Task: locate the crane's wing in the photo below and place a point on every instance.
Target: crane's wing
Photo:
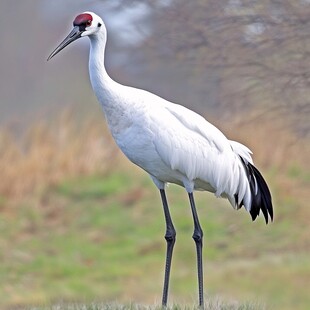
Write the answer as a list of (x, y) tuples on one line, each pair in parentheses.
[(186, 142)]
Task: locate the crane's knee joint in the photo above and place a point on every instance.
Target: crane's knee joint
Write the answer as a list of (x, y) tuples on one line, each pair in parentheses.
[(170, 235), (170, 239), (197, 236)]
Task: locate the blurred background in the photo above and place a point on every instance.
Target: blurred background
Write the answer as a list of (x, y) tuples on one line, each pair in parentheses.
[(79, 223)]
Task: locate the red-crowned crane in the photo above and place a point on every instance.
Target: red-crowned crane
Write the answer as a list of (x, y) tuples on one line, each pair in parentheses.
[(171, 143)]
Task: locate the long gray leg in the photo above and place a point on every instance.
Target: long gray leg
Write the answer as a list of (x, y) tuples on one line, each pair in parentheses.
[(197, 236), (170, 238)]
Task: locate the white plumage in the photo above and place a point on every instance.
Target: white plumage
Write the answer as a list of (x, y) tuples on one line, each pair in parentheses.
[(170, 142)]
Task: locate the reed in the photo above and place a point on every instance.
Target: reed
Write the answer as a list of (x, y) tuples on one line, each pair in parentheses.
[(48, 152)]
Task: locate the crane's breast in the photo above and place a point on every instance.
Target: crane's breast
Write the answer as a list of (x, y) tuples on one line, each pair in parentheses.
[(137, 143)]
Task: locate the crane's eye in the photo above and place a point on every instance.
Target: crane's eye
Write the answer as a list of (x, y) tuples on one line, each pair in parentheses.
[(88, 23)]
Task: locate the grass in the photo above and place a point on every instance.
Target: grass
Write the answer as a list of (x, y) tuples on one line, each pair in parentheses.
[(46, 154), (211, 304), (93, 231), (76, 243)]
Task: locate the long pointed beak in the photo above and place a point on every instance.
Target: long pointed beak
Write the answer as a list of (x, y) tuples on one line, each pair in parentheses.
[(72, 36)]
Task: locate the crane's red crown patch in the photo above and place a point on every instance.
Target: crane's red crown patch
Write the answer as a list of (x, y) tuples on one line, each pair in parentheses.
[(81, 19)]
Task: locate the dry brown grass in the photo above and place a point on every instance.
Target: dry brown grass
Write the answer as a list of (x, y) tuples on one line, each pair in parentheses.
[(47, 153), (272, 141)]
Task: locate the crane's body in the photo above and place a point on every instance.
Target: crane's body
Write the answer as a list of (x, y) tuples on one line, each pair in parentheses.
[(172, 143)]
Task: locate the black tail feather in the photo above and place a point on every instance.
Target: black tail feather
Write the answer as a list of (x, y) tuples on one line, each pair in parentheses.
[(261, 197)]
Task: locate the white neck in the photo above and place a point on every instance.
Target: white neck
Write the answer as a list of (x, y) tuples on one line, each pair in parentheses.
[(112, 96), (103, 86)]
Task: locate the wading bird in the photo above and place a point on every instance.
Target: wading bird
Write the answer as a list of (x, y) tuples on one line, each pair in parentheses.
[(171, 143)]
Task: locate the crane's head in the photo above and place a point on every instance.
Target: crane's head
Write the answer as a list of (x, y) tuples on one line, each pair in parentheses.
[(85, 24)]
